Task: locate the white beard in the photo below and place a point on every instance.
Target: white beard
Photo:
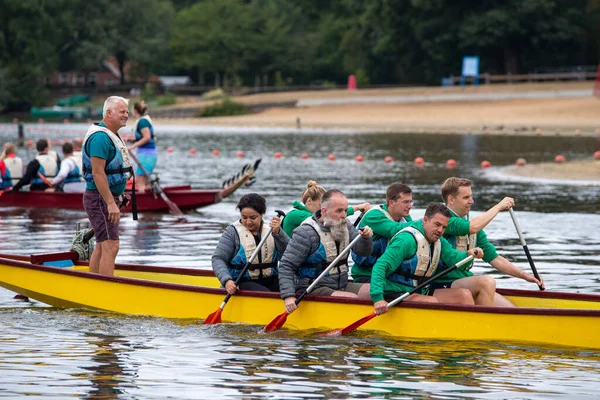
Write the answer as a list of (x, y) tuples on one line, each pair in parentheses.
[(338, 229)]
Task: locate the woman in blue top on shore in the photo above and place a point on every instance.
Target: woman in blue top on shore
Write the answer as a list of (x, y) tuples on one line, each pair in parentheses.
[(145, 144)]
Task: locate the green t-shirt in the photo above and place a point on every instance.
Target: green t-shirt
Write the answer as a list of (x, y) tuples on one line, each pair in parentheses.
[(298, 214), (382, 226), (404, 247), (101, 146), (458, 226)]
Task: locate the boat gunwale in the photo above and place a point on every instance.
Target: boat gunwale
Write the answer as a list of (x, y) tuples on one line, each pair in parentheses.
[(325, 299)]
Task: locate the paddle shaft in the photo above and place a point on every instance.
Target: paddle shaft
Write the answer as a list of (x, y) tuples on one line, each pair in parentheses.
[(527, 253), (172, 206), (333, 264)]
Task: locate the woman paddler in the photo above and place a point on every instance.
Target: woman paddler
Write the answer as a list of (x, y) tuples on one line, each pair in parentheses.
[(310, 203), (144, 142), (239, 241)]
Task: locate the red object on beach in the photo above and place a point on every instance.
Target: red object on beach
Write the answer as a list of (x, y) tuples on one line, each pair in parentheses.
[(216, 152), (388, 159), (352, 82), (559, 158), (169, 149), (597, 155), (304, 156), (331, 157), (240, 154), (278, 154), (419, 160), (192, 152), (359, 158), (451, 163), (521, 162), (486, 164)]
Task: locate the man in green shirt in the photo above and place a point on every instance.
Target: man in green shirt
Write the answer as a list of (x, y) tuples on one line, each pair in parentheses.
[(385, 220), (413, 255), (463, 233)]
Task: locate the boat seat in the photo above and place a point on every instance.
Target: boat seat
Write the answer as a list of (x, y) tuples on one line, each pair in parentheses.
[(64, 259)]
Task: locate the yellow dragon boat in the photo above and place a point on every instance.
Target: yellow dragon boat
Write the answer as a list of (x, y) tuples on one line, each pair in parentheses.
[(545, 318)]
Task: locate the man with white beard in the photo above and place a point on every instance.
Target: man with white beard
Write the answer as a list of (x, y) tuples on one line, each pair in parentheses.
[(314, 245)]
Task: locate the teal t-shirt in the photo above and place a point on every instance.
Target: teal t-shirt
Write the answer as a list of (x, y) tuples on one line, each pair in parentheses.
[(101, 146)]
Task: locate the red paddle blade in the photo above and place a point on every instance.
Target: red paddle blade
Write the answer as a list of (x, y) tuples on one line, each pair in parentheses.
[(214, 318), (277, 323), (350, 328)]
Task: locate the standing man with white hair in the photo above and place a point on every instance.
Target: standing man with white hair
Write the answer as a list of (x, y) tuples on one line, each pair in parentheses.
[(106, 169)]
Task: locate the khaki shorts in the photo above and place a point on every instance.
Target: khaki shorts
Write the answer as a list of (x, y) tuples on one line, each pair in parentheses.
[(327, 291)]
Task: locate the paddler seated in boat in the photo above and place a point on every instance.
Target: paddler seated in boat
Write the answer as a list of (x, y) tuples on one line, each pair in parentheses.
[(413, 255), (315, 244), (11, 167), (311, 202), (69, 178), (239, 241), (463, 234), (39, 170), (385, 220), (77, 144)]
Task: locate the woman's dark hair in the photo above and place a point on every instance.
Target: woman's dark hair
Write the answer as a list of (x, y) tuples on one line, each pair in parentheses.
[(253, 200), (140, 107)]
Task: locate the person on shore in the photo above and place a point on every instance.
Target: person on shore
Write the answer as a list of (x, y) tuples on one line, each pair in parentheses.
[(385, 221), (144, 143), (106, 169), (311, 202), (40, 170), (69, 178), (314, 245), (11, 167), (413, 255), (463, 234), (239, 242)]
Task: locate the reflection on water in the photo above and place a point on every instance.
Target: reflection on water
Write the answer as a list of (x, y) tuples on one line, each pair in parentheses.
[(75, 353)]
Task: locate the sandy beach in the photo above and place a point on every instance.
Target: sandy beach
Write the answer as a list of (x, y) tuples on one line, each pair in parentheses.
[(576, 116), (560, 109)]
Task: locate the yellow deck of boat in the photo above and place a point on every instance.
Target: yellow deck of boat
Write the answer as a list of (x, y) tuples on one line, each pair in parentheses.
[(557, 319)]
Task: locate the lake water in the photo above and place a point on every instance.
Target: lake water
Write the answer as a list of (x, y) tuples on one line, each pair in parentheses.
[(55, 353)]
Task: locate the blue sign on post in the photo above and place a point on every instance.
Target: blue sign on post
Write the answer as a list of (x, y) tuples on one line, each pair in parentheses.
[(470, 67)]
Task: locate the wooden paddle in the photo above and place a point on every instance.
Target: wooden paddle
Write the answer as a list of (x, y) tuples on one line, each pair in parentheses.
[(278, 322), (215, 318), (527, 253), (172, 206), (362, 321)]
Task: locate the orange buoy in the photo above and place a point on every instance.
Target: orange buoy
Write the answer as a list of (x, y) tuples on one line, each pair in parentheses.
[(29, 144), (304, 156), (559, 158), (521, 162), (278, 154), (451, 163), (486, 164), (388, 159), (331, 157), (216, 152), (192, 152), (240, 154), (419, 160), (359, 158), (597, 155), (169, 149)]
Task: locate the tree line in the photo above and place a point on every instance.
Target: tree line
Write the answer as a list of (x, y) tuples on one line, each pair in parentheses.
[(289, 42)]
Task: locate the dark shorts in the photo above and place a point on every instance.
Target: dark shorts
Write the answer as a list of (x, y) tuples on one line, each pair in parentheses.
[(438, 285), (326, 291), (97, 212)]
